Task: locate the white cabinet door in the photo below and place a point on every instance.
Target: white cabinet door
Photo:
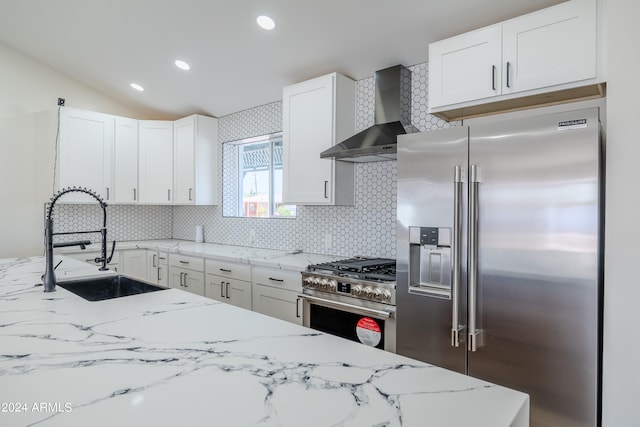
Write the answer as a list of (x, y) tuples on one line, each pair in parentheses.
[(550, 47), (279, 303), (126, 160), (187, 280), (85, 154), (232, 291), (238, 292), (195, 160), (156, 161), (157, 267), (134, 264), (184, 160), (215, 288), (465, 67), (317, 114)]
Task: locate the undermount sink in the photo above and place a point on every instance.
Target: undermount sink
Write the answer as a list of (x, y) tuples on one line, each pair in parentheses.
[(103, 288)]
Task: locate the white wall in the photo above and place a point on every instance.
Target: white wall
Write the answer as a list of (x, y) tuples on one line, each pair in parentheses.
[(28, 121), (622, 284)]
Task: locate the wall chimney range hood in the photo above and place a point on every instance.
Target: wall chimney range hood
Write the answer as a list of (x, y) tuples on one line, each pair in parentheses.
[(392, 118)]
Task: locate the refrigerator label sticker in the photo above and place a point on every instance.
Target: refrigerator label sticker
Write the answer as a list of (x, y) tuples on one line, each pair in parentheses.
[(368, 331), (572, 124)]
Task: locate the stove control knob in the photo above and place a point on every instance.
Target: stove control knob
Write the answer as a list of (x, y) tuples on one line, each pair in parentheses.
[(308, 281), (356, 290), (333, 285), (386, 296), (324, 284), (377, 294), (368, 292)]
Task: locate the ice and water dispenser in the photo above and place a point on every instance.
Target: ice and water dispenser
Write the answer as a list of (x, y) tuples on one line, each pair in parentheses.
[(430, 261)]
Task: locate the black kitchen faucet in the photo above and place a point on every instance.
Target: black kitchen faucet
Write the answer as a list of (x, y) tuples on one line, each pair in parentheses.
[(49, 278)]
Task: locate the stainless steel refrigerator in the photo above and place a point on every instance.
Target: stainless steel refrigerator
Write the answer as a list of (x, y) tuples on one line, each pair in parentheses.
[(499, 257)]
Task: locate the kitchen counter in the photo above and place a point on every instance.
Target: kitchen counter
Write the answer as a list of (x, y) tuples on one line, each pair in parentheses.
[(242, 254), (171, 358)]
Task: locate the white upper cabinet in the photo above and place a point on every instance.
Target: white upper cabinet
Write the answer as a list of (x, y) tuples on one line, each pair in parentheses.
[(550, 47), (465, 67), (195, 160), (317, 114), (85, 154), (125, 168), (517, 63), (156, 161)]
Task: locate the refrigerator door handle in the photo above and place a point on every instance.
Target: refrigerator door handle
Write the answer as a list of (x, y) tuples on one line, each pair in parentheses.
[(456, 330), (474, 333)]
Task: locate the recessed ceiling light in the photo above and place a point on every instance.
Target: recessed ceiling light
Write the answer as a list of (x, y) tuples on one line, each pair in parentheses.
[(182, 65), (137, 87), (266, 22)]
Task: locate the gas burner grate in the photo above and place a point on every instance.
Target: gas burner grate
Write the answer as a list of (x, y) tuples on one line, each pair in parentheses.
[(377, 269)]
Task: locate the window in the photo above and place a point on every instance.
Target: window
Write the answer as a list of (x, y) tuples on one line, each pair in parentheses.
[(252, 178)]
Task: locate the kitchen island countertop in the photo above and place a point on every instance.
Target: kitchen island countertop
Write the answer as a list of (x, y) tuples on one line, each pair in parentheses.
[(172, 358)]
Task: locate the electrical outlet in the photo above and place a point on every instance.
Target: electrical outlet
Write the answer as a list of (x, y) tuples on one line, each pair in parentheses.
[(61, 102)]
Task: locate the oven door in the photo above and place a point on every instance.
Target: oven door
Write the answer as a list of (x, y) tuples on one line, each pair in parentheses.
[(373, 324)]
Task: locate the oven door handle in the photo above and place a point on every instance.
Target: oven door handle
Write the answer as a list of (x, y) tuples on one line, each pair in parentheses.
[(364, 311)]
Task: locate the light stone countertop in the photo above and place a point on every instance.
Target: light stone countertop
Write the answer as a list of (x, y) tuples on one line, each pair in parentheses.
[(171, 358), (242, 254)]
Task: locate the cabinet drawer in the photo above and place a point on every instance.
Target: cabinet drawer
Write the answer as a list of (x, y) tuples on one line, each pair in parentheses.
[(231, 270), (283, 279), (188, 262)]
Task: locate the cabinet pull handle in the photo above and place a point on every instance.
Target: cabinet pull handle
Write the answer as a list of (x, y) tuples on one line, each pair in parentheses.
[(169, 194), (222, 289), (225, 270), (190, 191), (107, 193), (276, 280), (297, 307), (134, 195), (184, 262), (153, 261), (493, 77), (185, 280), (508, 68), (159, 279), (325, 189), (227, 291)]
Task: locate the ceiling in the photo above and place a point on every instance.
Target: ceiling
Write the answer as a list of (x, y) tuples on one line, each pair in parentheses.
[(235, 65)]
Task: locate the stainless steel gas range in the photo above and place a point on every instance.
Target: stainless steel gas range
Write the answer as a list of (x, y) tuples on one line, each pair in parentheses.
[(353, 298)]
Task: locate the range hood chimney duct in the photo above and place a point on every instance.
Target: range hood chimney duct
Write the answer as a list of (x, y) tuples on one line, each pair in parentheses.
[(392, 118)]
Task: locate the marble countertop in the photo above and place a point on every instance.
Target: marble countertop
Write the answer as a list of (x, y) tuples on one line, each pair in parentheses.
[(242, 254), (171, 358)]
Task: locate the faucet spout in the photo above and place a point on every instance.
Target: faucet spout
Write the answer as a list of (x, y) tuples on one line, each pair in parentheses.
[(49, 278)]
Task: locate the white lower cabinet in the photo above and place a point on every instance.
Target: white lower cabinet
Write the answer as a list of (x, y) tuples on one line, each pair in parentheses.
[(158, 267), (229, 282), (134, 264), (275, 293), (186, 273)]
